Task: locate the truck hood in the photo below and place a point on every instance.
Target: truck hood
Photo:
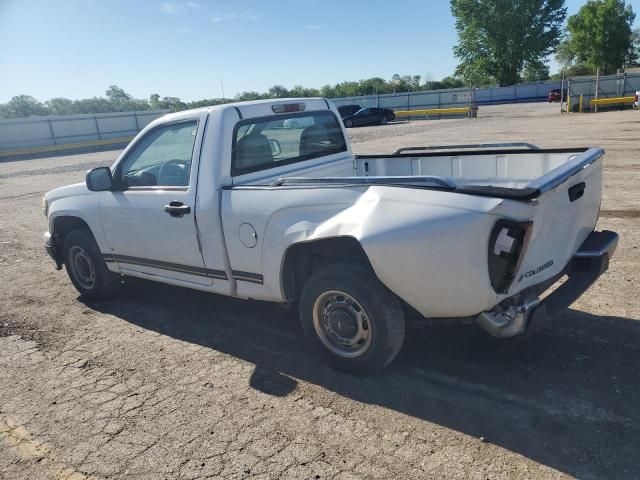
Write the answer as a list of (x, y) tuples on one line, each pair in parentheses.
[(67, 191)]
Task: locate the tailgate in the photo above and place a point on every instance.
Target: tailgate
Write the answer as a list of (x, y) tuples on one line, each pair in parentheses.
[(566, 213)]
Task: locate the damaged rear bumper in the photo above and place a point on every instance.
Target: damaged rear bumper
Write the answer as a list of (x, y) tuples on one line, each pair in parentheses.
[(529, 312)]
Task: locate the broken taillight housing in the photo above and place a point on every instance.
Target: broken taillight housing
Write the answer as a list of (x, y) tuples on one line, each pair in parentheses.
[(507, 243)]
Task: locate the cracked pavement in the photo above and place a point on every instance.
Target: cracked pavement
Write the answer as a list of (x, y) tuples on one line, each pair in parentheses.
[(166, 383)]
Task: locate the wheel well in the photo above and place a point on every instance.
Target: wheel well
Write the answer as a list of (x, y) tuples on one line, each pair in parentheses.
[(62, 226), (302, 259)]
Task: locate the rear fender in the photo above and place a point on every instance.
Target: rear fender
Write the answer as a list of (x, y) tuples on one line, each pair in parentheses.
[(434, 257)]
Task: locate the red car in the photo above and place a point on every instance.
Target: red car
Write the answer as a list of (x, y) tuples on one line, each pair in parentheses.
[(555, 95)]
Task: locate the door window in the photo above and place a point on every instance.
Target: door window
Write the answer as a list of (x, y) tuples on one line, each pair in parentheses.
[(161, 158)]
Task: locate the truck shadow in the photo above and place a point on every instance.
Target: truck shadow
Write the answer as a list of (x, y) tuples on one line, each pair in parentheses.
[(568, 398)]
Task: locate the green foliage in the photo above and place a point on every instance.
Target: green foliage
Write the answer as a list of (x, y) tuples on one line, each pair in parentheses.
[(116, 94), (246, 96), (117, 100), (577, 70), (23, 106), (60, 106), (599, 35), (447, 82), (498, 38), (633, 55), (535, 72)]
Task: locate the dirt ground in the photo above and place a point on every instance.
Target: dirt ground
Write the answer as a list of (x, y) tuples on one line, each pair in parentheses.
[(166, 383)]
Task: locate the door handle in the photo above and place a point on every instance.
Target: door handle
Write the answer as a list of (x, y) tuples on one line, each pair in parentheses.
[(177, 209), (576, 191)]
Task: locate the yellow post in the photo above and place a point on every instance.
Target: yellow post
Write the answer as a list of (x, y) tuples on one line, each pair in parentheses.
[(580, 103), (569, 104)]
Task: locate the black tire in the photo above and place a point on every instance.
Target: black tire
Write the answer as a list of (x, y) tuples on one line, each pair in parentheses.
[(348, 123), (384, 120), (382, 310), (86, 268)]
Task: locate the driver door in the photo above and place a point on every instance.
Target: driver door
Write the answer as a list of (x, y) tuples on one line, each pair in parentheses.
[(363, 117), (150, 224)]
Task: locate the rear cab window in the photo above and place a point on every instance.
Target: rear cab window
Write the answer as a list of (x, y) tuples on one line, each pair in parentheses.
[(268, 142)]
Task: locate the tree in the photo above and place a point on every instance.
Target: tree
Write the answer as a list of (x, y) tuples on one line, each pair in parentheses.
[(154, 101), (300, 91), (245, 96), (633, 55), (94, 105), (23, 106), (172, 103), (347, 89), (117, 100), (116, 94), (328, 91), (278, 91), (599, 35), (60, 106), (374, 86), (497, 38), (448, 82), (535, 72)]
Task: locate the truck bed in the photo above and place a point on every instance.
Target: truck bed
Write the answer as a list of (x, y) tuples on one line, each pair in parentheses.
[(514, 173), (556, 191)]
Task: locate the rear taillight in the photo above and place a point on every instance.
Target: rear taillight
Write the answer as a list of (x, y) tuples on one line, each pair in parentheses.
[(506, 246)]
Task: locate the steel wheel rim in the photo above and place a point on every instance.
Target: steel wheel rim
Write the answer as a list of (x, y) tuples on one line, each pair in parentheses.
[(342, 324), (82, 267)]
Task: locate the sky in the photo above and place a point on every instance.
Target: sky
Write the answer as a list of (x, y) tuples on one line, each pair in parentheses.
[(192, 48)]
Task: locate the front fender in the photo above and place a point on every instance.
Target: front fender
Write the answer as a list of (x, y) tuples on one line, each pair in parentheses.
[(78, 202)]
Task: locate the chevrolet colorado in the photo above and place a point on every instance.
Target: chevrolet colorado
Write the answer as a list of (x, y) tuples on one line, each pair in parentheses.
[(227, 200)]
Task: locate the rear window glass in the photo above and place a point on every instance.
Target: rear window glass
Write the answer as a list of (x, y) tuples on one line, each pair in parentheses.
[(264, 143)]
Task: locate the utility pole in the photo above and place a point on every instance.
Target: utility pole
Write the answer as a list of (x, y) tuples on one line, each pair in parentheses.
[(222, 86)]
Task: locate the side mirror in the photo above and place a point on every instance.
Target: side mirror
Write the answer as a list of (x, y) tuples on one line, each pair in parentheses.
[(275, 147), (99, 179)]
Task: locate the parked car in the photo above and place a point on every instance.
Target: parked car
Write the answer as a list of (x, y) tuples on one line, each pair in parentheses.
[(369, 116), (300, 122), (471, 232), (346, 110), (556, 95)]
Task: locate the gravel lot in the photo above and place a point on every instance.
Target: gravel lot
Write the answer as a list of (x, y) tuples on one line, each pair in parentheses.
[(165, 383)]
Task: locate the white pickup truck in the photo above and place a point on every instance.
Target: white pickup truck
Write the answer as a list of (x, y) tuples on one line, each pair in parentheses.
[(227, 200)]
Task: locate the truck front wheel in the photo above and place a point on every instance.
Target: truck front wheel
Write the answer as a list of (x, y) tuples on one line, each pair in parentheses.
[(355, 323), (86, 268)]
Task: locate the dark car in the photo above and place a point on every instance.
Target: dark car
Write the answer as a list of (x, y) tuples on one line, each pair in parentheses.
[(556, 95), (346, 110), (369, 116)]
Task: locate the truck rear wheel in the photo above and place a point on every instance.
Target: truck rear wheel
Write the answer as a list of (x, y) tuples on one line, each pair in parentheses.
[(86, 268), (351, 319)]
